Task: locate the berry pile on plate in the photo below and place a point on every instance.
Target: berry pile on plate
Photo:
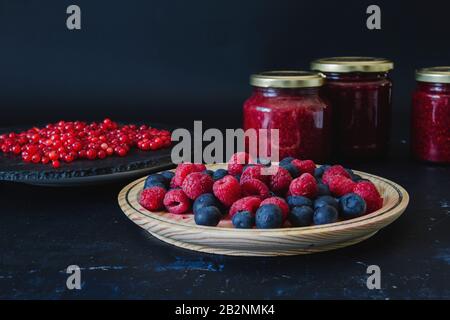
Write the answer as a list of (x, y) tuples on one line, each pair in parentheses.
[(296, 194), (68, 141)]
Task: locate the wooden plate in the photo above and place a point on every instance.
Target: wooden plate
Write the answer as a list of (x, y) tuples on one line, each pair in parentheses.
[(181, 230)]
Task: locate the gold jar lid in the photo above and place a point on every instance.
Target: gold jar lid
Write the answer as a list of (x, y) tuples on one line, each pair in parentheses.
[(434, 74), (352, 64), (286, 79)]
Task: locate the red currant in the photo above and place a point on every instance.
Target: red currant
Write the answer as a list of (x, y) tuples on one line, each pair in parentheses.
[(91, 154), (16, 149), (69, 158), (35, 158), (53, 155), (56, 164), (101, 154), (71, 140)]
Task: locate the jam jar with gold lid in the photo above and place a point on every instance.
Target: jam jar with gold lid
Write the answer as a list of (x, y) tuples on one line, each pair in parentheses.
[(290, 102), (430, 119), (359, 90)]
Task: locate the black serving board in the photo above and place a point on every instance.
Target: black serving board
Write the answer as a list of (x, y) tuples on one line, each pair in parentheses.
[(135, 164)]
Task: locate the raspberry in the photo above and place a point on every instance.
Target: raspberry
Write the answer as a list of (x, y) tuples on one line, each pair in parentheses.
[(370, 194), (340, 185), (280, 202), (250, 204), (237, 162), (305, 166), (253, 187), (196, 184), (280, 181), (305, 186), (182, 171), (254, 172), (336, 170), (227, 190), (152, 198), (176, 201), (200, 167)]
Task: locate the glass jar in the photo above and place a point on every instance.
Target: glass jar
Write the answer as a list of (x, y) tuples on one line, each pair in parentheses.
[(430, 125), (359, 90), (289, 101)]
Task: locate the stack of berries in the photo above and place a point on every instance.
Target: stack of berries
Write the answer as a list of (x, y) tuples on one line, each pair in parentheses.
[(297, 194), (67, 141)]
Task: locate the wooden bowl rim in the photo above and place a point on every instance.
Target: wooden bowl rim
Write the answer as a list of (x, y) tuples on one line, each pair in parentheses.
[(376, 216)]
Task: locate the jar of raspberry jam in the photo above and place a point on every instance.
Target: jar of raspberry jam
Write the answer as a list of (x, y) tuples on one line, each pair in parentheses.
[(289, 101), (359, 90), (430, 125)]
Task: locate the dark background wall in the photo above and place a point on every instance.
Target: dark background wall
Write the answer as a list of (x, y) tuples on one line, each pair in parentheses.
[(177, 61)]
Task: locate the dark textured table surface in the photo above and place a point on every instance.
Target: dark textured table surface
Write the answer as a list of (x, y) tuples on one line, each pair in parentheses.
[(44, 230)]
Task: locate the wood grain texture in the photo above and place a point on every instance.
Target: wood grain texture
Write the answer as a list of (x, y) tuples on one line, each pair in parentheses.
[(181, 230)]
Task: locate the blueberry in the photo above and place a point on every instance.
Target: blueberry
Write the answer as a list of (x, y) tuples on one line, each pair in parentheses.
[(269, 216), (326, 200), (356, 177), (325, 214), (238, 177), (151, 179), (243, 220), (208, 172), (208, 216), (168, 175), (298, 201), (265, 162), (301, 216), (151, 184), (350, 172), (206, 200), (351, 205), (219, 174), (156, 177), (319, 171), (286, 161), (292, 170), (323, 190)]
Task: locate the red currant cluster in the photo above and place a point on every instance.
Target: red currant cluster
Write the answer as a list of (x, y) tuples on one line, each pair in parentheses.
[(67, 141)]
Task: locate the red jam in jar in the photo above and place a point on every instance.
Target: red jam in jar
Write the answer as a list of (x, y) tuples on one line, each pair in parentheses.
[(430, 125), (359, 91), (289, 101)]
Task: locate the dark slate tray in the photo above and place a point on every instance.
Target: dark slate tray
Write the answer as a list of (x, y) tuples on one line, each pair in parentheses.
[(136, 163)]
